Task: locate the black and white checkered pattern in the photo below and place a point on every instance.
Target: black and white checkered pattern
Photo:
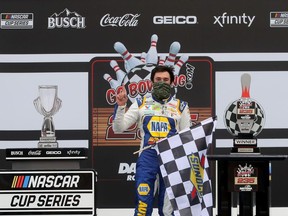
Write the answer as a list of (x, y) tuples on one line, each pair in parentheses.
[(231, 119), (174, 153), (137, 74)]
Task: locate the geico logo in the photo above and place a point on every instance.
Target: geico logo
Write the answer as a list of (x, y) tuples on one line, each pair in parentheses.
[(59, 181), (174, 19), (126, 168), (53, 152)]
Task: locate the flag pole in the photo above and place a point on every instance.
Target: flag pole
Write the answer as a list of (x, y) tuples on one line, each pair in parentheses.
[(145, 148)]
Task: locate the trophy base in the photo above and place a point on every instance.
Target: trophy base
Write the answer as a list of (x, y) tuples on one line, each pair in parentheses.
[(245, 143), (47, 142), (247, 150)]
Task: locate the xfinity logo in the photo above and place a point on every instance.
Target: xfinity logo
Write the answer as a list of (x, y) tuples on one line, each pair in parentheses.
[(233, 20), (178, 20)]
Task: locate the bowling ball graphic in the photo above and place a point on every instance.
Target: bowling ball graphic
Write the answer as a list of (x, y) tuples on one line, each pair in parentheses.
[(230, 119)]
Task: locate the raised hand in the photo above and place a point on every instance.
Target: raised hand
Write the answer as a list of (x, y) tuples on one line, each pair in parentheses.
[(121, 97)]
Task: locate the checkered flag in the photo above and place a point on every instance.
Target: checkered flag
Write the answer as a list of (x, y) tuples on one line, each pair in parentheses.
[(185, 169)]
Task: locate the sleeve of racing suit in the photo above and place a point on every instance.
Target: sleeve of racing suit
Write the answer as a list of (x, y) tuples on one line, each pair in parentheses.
[(185, 120), (123, 120)]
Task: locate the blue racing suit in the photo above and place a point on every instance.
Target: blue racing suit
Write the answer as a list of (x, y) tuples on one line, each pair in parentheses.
[(156, 120)]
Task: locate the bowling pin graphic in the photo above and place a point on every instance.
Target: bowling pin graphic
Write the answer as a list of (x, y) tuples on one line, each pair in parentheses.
[(179, 64), (152, 55), (245, 106), (173, 51), (130, 61), (113, 83), (119, 73), (143, 57), (162, 59), (245, 84)]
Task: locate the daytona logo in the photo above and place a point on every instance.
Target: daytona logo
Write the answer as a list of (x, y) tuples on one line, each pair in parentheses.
[(43, 181)]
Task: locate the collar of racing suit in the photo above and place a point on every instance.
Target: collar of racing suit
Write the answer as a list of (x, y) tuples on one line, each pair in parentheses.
[(162, 101)]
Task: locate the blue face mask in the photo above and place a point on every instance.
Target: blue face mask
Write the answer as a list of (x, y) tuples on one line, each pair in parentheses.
[(161, 90)]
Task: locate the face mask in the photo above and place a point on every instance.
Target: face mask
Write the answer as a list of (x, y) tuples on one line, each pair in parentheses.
[(161, 90)]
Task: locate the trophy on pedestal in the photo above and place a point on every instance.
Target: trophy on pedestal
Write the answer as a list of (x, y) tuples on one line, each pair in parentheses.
[(244, 119), (48, 104)]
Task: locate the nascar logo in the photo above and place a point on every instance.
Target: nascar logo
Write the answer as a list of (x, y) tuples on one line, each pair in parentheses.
[(16, 21), (44, 181)]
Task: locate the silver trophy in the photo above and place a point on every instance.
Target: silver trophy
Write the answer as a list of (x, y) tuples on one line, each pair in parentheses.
[(245, 119), (48, 104)]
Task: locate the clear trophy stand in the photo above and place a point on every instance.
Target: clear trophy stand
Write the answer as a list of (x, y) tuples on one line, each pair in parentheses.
[(48, 104)]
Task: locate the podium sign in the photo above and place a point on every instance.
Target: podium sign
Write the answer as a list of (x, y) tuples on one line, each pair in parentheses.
[(68, 192), (245, 178), (23, 154)]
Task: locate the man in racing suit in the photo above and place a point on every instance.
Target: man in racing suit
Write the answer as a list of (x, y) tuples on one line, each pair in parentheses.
[(158, 115)]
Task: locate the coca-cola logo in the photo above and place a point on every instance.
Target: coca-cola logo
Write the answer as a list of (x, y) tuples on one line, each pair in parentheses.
[(35, 153), (127, 20)]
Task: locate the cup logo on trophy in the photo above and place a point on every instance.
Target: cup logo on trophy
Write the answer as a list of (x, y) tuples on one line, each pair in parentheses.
[(48, 104), (244, 119)]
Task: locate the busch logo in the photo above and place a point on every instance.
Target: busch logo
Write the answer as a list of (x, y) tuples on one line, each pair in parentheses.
[(66, 19), (17, 153), (127, 20)]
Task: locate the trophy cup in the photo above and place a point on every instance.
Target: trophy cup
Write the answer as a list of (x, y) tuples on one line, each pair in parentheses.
[(47, 104), (244, 119)]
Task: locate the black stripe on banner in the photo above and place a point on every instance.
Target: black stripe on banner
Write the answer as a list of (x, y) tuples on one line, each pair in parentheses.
[(48, 213), (35, 135), (45, 67), (264, 134), (255, 66)]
